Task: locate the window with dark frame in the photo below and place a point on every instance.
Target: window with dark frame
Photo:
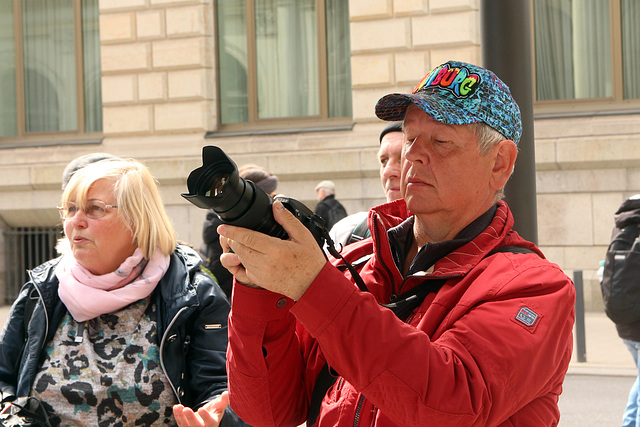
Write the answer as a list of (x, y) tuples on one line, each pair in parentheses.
[(587, 54), (283, 63), (50, 68)]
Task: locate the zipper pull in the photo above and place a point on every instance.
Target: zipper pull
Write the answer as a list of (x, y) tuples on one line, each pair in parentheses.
[(80, 332)]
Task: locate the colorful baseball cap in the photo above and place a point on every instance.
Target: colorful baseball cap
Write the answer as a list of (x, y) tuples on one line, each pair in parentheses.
[(458, 93)]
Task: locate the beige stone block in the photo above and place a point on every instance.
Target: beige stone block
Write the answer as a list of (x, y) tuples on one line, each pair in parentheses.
[(364, 101), (169, 171), (371, 69), (406, 7), (554, 254), (191, 20), (175, 53), (440, 6), (579, 181), (125, 57), (150, 24), (110, 5), (446, 29), (117, 27), (410, 67), (126, 119), (118, 89), (380, 35), (366, 9), (585, 258), (470, 54), (604, 207), (46, 176), (616, 124), (613, 150), (545, 153), (182, 116), (188, 84), (152, 86), (11, 176), (632, 183), (565, 219)]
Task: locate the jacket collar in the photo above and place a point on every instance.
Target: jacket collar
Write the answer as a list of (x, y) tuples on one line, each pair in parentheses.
[(497, 230)]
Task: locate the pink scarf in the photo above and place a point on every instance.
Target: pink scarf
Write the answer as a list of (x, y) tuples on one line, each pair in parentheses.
[(87, 296)]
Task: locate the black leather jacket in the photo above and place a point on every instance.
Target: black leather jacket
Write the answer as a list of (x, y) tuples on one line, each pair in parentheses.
[(192, 321)]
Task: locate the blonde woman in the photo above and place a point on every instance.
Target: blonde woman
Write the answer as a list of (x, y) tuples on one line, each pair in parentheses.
[(123, 328)]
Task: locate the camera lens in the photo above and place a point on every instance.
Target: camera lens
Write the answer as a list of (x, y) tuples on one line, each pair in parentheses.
[(216, 185)]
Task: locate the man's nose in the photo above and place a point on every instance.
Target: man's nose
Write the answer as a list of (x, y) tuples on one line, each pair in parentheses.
[(414, 152)]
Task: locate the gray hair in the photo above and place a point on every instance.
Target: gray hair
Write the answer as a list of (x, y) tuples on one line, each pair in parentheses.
[(488, 137)]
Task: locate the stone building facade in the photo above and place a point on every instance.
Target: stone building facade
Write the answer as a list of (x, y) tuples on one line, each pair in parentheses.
[(160, 106)]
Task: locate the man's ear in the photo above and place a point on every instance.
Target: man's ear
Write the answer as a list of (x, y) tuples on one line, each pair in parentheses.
[(505, 154)]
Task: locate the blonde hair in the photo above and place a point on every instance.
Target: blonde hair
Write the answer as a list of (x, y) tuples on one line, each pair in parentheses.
[(137, 197)]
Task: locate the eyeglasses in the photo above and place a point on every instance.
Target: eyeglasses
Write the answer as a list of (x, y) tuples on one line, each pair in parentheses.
[(94, 209)]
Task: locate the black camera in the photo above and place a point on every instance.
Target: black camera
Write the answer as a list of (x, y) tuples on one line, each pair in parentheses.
[(216, 185)]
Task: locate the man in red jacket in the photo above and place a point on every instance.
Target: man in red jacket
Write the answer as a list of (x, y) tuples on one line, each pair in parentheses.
[(489, 342)]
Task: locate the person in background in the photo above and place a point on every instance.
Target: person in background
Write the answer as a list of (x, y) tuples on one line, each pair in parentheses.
[(328, 207), (354, 227), (82, 161), (620, 291), (211, 249), (123, 328), (454, 320)]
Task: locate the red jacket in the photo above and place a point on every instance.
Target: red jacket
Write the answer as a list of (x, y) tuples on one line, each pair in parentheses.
[(490, 348)]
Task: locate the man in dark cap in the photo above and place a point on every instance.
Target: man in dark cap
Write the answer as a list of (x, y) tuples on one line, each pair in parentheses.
[(354, 227), (456, 320)]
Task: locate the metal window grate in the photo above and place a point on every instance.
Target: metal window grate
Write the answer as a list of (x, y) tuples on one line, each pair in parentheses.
[(26, 248)]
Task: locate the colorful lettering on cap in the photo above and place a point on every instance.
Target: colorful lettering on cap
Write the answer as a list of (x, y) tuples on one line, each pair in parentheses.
[(458, 93), (458, 80)]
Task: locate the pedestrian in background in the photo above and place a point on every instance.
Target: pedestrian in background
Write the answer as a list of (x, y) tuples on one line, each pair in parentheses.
[(621, 292), (328, 207)]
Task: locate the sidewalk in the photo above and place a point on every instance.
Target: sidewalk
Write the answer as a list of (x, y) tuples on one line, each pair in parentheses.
[(605, 352)]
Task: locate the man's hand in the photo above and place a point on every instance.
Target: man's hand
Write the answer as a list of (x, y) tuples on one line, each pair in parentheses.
[(208, 415), (287, 267)]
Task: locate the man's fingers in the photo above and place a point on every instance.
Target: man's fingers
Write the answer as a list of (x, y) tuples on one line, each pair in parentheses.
[(238, 238), (292, 225)]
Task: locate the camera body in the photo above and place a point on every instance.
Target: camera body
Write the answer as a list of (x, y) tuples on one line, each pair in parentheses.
[(217, 185)]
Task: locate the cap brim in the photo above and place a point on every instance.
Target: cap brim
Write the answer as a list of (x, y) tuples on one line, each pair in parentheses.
[(394, 106)]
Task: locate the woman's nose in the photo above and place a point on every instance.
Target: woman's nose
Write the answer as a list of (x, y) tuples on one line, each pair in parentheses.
[(79, 219)]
